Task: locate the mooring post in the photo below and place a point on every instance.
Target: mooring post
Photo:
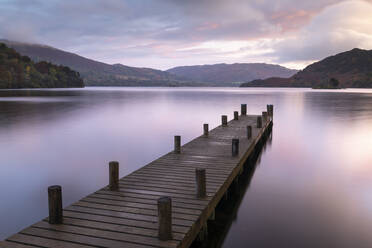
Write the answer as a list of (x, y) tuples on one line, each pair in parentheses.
[(212, 216), (270, 109), (200, 179), (236, 115), (249, 132), (235, 147), (206, 129), (55, 204), (177, 144), (265, 116), (244, 109), (203, 234), (113, 175), (224, 120), (259, 122), (165, 218)]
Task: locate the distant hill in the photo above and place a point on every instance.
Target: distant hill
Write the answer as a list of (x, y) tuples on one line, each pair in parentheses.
[(230, 73), (351, 69), (17, 71), (97, 73)]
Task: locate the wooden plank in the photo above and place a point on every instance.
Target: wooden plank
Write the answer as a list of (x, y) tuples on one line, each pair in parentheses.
[(119, 221), (106, 234), (138, 205), (79, 239), (132, 210), (145, 221), (146, 201), (44, 242), (171, 181), (116, 227), (8, 244)]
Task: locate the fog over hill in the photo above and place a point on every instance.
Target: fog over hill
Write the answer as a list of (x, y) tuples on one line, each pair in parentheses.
[(230, 73), (96, 73), (351, 69)]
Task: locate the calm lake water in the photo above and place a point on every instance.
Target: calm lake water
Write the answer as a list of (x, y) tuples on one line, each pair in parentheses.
[(312, 187)]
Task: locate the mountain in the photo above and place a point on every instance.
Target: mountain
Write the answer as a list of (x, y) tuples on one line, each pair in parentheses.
[(17, 71), (97, 73), (350, 69), (231, 73)]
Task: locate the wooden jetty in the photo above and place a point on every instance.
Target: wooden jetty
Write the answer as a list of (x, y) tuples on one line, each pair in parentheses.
[(166, 203)]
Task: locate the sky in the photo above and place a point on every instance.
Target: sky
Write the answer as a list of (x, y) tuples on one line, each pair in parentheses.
[(163, 34)]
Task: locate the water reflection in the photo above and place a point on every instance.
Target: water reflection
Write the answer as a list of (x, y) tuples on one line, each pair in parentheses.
[(226, 211), (311, 189)]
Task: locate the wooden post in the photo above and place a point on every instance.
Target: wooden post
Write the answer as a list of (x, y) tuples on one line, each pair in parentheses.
[(224, 120), (201, 189), (259, 122), (244, 109), (265, 116), (212, 216), (177, 144), (235, 147), (236, 115), (55, 204), (270, 109), (203, 234), (249, 132), (206, 129), (165, 218), (113, 175)]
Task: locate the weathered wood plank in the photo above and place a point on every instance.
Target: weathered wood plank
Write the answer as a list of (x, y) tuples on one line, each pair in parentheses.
[(79, 239), (119, 221), (44, 242), (105, 234)]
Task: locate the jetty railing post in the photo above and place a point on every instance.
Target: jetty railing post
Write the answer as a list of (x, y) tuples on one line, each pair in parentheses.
[(165, 218), (265, 116), (201, 185), (177, 144), (235, 147), (236, 115), (55, 204), (259, 122), (206, 129), (224, 120), (113, 175), (244, 109), (249, 132), (270, 110)]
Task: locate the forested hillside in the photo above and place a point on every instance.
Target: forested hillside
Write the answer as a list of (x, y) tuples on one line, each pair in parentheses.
[(18, 71), (95, 73), (350, 69)]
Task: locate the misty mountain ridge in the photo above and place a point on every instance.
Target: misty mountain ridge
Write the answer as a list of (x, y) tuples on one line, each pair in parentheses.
[(351, 69), (96, 73), (229, 73)]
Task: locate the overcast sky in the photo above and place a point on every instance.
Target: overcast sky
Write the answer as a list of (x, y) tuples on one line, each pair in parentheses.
[(166, 33)]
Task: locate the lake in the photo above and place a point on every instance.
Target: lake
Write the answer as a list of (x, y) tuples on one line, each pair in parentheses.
[(311, 188)]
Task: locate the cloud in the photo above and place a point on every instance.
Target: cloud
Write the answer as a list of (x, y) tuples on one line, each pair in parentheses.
[(336, 29), (165, 33)]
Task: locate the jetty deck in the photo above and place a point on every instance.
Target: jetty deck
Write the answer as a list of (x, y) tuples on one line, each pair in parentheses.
[(128, 216)]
